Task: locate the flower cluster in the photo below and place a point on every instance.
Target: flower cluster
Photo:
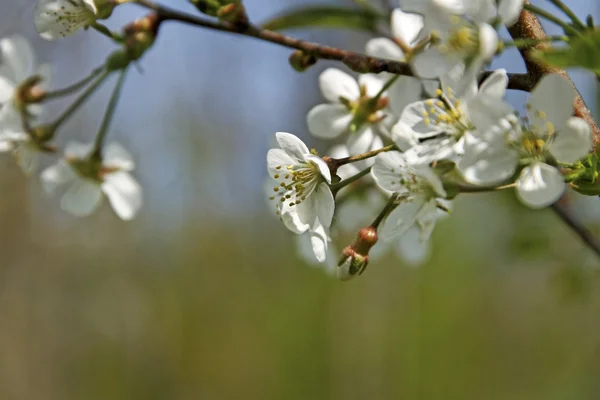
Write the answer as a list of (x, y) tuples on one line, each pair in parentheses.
[(412, 144)]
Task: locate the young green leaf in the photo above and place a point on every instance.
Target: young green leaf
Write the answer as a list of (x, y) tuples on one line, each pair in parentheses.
[(325, 17)]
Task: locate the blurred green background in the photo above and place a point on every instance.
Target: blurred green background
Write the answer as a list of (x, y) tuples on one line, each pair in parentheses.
[(203, 297)]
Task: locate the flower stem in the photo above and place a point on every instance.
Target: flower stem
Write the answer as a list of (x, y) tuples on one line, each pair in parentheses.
[(483, 189), (588, 238), (569, 13), (385, 87), (108, 115), (335, 188), (359, 157), (74, 87), (391, 204), (552, 18), (80, 100), (107, 32), (528, 42)]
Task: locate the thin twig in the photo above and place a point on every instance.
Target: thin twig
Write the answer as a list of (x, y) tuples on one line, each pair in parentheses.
[(356, 61), (577, 227)]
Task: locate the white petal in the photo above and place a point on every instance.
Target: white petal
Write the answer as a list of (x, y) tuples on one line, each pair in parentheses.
[(324, 204), (495, 85), (27, 157), (17, 57), (57, 175), (124, 194), (411, 249), (327, 121), (361, 141), (292, 145), (401, 218), (277, 161), (372, 83), (384, 48), (406, 26), (387, 169), (432, 63), (553, 97), (540, 185), (404, 136), (292, 220), (509, 11), (319, 240), (335, 84), (481, 10), (488, 41), (78, 149), (7, 91), (82, 198), (405, 91), (313, 248), (427, 218), (412, 116), (485, 164), (322, 165), (116, 156), (573, 142)]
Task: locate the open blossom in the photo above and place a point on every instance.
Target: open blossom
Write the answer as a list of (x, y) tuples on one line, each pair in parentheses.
[(60, 18), (465, 34), (301, 190), (88, 179), (17, 63), (438, 128), (314, 248), (418, 188), (351, 109), (549, 135)]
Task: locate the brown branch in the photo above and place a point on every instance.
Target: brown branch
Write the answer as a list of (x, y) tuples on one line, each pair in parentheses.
[(530, 27), (358, 62)]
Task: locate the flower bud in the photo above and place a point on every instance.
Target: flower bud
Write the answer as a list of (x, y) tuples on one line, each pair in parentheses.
[(301, 61), (29, 92), (234, 13), (355, 257), (104, 8), (140, 35), (208, 7)]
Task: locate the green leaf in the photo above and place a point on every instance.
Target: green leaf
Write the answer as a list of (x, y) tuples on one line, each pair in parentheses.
[(325, 17), (583, 51)]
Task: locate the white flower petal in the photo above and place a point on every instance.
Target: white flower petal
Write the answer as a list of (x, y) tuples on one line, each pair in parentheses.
[(411, 249), (277, 161), (384, 48), (406, 26), (26, 156), (481, 10), (361, 141), (322, 165), (386, 171), (573, 142), (18, 58), (401, 218), (509, 11), (324, 203), (551, 101), (404, 136), (432, 63), (405, 91), (7, 91), (335, 83), (292, 220), (292, 145), (372, 83), (540, 185), (124, 194), (327, 121), (78, 150), (412, 117), (495, 85), (116, 156), (82, 198), (485, 164), (57, 175)]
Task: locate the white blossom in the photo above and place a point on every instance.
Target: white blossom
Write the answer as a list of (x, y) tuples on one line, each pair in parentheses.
[(418, 188), (465, 34), (301, 192), (551, 135), (59, 18), (350, 110), (314, 248), (88, 179), (438, 128), (17, 63)]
